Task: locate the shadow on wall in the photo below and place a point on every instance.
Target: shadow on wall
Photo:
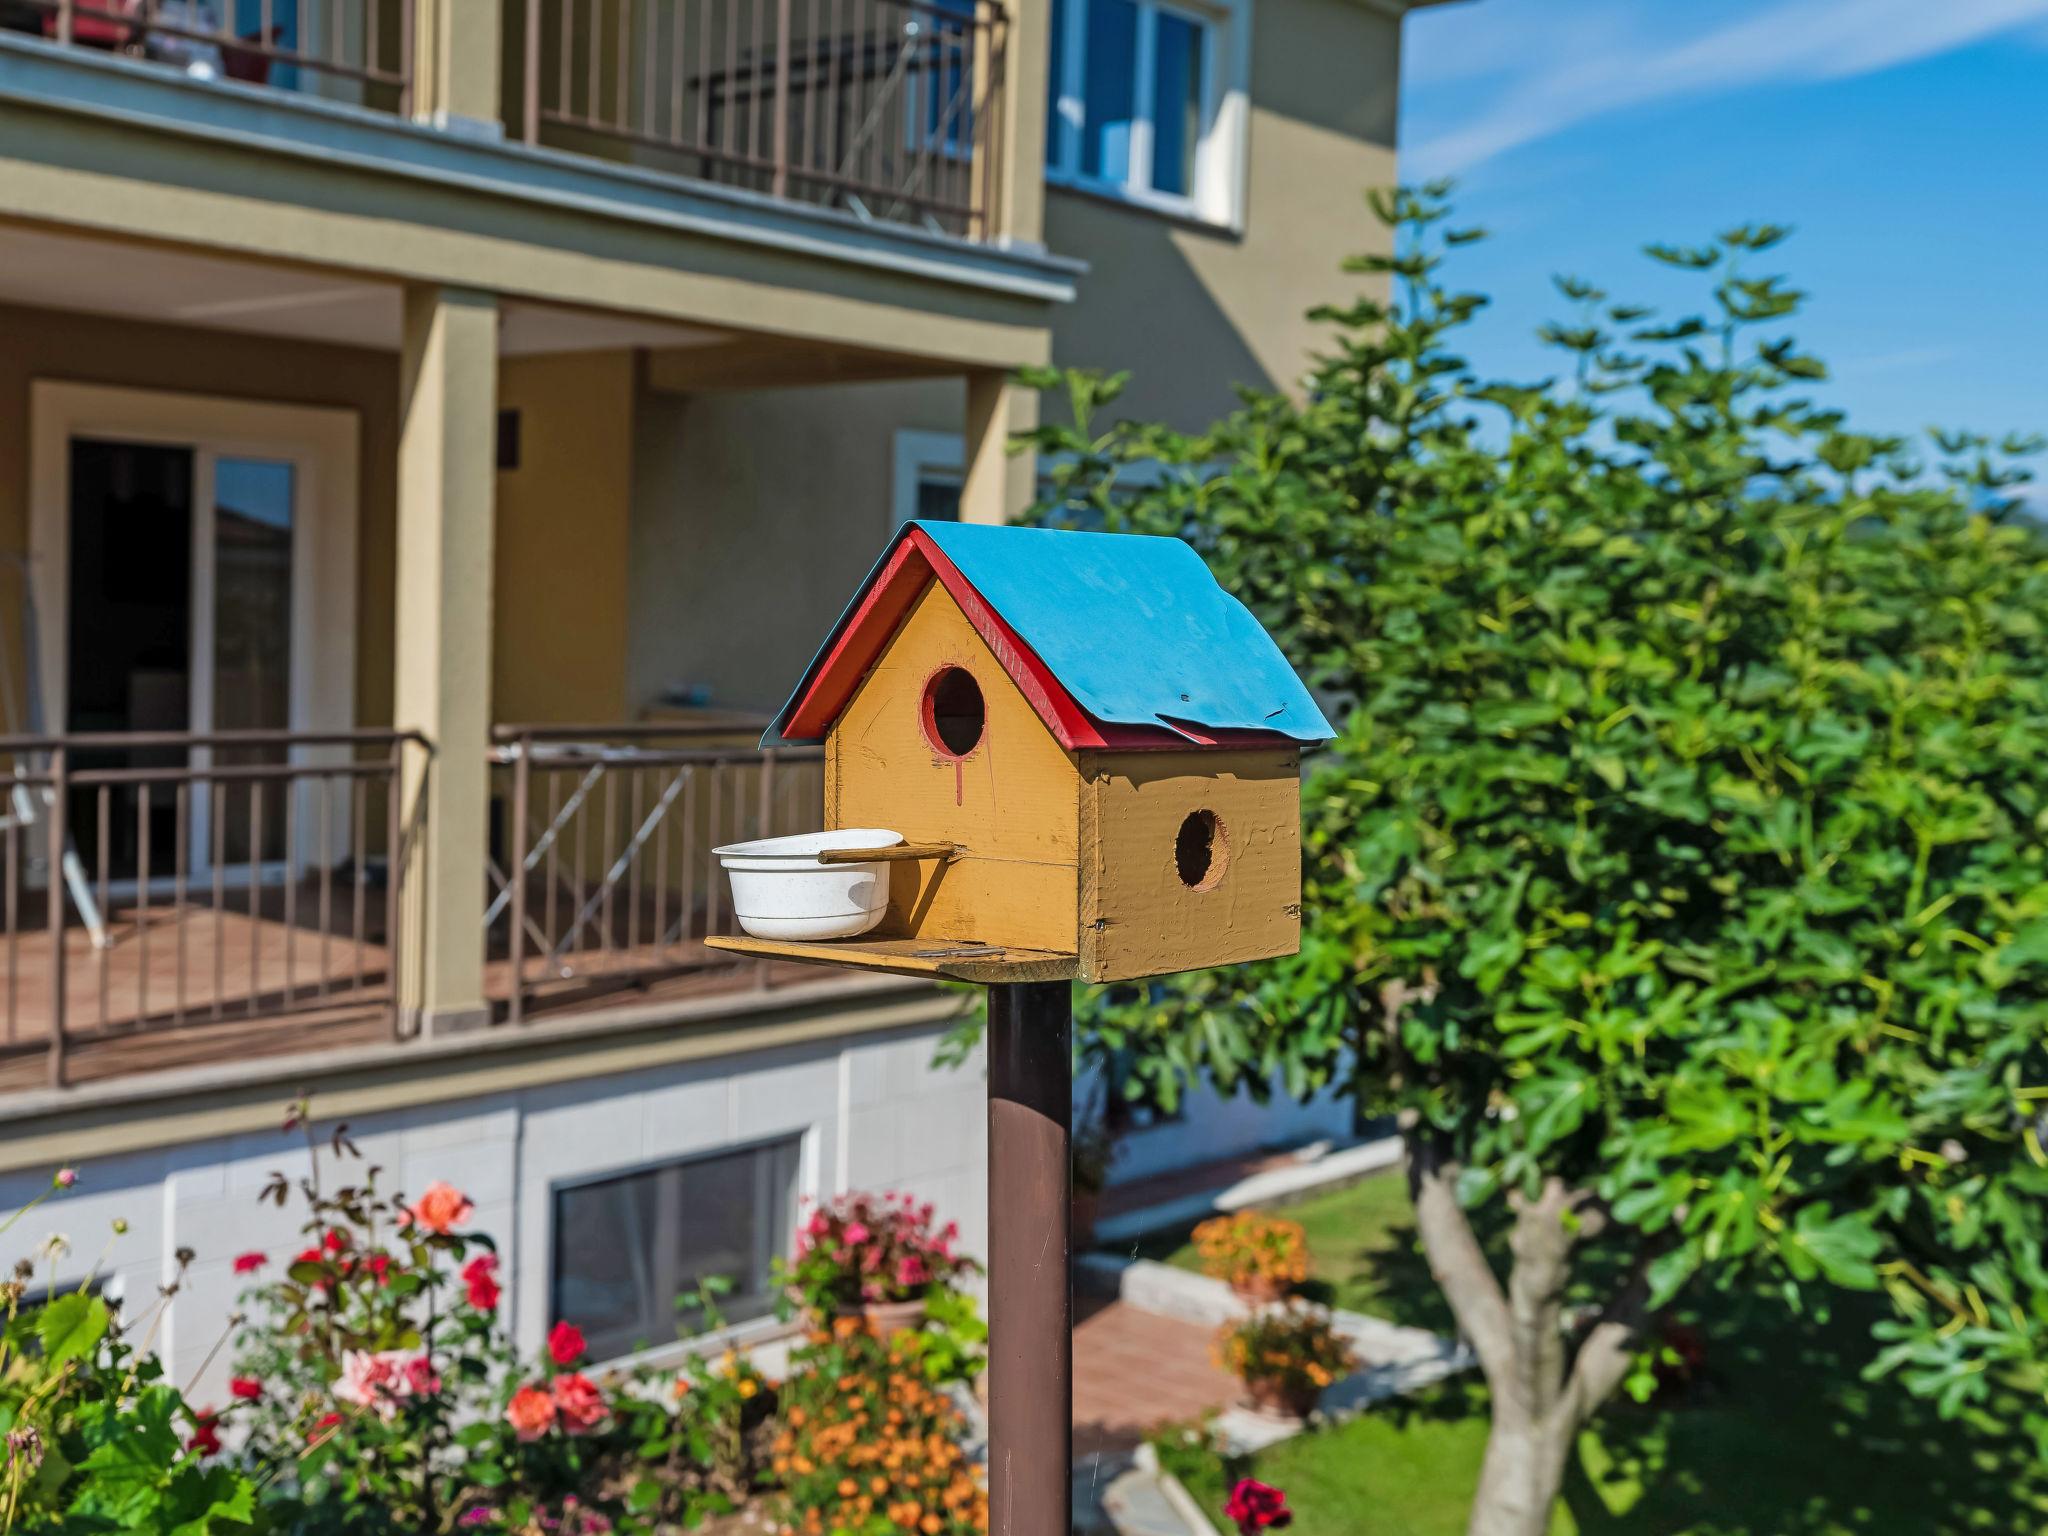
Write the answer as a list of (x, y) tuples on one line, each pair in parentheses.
[(756, 514)]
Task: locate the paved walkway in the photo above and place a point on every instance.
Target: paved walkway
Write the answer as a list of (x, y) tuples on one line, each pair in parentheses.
[(1135, 1370)]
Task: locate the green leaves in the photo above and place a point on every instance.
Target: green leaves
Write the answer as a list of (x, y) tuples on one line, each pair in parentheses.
[(71, 1327), (1684, 840)]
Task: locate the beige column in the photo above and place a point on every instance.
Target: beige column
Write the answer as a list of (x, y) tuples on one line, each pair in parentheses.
[(447, 463), (1016, 89), (457, 48), (999, 485)]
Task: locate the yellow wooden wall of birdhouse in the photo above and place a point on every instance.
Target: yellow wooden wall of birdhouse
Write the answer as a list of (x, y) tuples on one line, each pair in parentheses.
[(1010, 800), (1135, 862)]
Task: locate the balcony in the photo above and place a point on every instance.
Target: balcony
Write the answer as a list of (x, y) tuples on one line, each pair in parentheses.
[(889, 111), (246, 895)]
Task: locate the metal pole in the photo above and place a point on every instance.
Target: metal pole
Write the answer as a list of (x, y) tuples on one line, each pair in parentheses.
[(1030, 1305), (522, 767), (53, 885)]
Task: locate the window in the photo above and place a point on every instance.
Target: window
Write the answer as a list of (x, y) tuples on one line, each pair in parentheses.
[(629, 1251), (1147, 102)]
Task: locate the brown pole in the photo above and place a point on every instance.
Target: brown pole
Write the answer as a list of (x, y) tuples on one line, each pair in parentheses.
[(1030, 1306)]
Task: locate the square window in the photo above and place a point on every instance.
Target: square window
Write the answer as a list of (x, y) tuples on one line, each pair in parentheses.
[(629, 1251), (1135, 106)]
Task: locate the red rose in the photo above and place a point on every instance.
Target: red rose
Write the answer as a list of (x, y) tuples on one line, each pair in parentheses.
[(565, 1344), (380, 1268), (248, 1388), (205, 1439), (334, 1242), (321, 1427), (248, 1263), (1257, 1506), (579, 1406), (310, 1256), (480, 1274)]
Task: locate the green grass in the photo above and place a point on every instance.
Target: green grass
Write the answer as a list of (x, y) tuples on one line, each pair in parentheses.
[(1782, 1437)]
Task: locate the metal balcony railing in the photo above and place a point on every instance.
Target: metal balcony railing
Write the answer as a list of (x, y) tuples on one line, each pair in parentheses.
[(889, 108)]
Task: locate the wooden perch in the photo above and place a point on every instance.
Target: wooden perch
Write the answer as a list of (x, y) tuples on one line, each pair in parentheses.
[(893, 851)]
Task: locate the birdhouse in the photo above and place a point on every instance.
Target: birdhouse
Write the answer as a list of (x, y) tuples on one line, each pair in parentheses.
[(1087, 752)]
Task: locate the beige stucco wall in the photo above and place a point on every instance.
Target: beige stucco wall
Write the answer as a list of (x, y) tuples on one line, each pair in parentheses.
[(756, 514), (1193, 311), (559, 648)]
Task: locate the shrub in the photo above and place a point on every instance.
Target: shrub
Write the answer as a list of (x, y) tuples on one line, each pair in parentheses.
[(91, 1436), (862, 1249), (1254, 1251), (1677, 877), (868, 1446), (384, 1394), (1295, 1347)]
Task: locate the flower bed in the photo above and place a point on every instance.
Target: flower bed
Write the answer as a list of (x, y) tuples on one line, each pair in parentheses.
[(375, 1389)]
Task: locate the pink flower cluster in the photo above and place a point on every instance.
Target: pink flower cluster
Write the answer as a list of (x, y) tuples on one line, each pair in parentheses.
[(383, 1379), (884, 1248)]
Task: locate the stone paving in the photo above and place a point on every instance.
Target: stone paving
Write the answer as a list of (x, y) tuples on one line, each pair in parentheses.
[(1135, 1370)]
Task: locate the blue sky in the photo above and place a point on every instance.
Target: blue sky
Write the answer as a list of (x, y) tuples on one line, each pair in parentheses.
[(1906, 141)]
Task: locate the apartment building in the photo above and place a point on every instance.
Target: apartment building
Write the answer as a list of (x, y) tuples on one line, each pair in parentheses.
[(432, 434)]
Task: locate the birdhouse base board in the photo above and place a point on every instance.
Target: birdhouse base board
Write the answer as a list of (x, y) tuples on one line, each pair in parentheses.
[(984, 963)]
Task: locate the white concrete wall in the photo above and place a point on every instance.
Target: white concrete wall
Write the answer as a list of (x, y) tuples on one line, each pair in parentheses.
[(873, 1114)]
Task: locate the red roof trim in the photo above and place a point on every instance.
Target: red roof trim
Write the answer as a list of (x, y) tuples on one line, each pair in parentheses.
[(914, 564)]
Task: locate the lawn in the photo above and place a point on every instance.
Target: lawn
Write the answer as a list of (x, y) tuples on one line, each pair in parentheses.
[(1781, 1438)]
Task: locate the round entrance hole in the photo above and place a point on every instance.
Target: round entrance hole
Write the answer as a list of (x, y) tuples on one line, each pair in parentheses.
[(1199, 851), (954, 714)]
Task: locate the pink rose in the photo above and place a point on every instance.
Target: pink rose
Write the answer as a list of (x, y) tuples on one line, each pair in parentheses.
[(421, 1379), (578, 1403), (381, 1380), (856, 1233)]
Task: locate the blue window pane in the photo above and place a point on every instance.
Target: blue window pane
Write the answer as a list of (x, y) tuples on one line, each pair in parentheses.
[(1056, 75), (1176, 102), (1110, 89)]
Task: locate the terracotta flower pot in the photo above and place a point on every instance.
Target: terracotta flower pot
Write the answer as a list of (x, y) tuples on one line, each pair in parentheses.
[(1282, 1399), (1260, 1290), (884, 1319)]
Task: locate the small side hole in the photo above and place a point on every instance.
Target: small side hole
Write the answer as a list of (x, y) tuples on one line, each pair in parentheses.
[(1199, 851), (954, 714)]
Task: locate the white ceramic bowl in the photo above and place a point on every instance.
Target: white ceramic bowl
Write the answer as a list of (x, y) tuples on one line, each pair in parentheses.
[(781, 891)]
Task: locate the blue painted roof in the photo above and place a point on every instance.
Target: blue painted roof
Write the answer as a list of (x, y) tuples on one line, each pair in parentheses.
[(1134, 627)]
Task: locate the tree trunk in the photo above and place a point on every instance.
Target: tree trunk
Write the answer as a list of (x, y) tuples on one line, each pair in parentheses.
[(1521, 1477), (1542, 1391)]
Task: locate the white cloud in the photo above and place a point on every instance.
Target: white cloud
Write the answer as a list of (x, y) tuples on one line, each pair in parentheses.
[(1549, 72)]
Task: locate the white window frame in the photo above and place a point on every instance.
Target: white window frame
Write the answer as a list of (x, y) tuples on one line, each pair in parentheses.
[(1218, 193)]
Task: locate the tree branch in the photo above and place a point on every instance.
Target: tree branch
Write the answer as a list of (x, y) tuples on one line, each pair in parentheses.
[(1608, 1352), (1456, 1260)]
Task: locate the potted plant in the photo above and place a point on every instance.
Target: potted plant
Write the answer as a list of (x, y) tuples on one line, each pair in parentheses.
[(875, 1257), (1093, 1149), (1285, 1356), (1263, 1258)]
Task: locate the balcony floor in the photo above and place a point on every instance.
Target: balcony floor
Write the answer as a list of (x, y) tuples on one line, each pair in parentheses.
[(128, 1012)]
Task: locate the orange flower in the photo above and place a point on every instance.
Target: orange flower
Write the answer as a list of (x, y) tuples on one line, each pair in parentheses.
[(531, 1412), (442, 1208)]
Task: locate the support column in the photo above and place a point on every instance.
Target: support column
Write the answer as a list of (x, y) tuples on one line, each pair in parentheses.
[(447, 463), (999, 486), (1030, 1300), (457, 47)]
